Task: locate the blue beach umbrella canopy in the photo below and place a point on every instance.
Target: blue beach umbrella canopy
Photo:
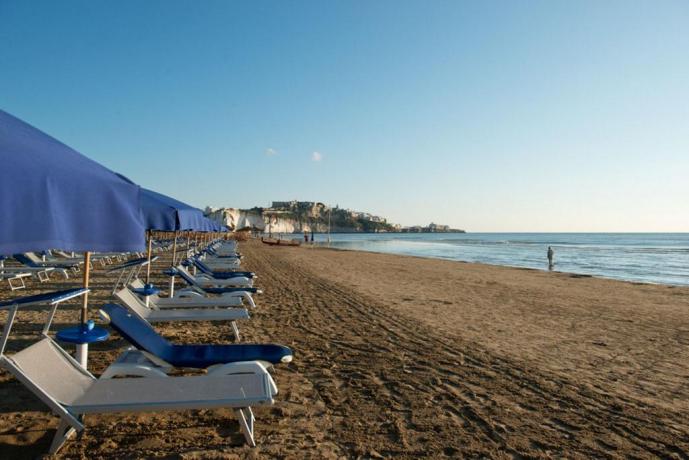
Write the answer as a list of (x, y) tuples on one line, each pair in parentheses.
[(210, 225), (165, 213), (53, 197)]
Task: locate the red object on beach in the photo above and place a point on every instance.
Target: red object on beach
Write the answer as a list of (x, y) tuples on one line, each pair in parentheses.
[(279, 242)]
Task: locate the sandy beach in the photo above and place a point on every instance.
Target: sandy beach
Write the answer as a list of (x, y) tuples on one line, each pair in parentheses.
[(406, 357)]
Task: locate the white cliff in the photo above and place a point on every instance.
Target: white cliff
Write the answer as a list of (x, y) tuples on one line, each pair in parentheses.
[(237, 219)]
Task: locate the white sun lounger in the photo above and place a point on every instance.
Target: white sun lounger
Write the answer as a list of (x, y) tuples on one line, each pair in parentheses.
[(193, 299), (221, 261), (139, 308), (70, 391), (40, 273), (103, 258), (52, 261), (205, 280), (31, 260)]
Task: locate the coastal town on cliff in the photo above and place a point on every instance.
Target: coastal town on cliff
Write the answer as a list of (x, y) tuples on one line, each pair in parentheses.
[(308, 216)]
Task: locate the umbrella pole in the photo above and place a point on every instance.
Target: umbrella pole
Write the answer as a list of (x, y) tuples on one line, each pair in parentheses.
[(196, 249), (83, 348), (174, 256), (148, 265)]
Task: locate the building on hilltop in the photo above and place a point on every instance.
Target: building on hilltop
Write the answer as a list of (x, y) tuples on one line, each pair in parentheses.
[(311, 208), (438, 228), (284, 204), (299, 216)]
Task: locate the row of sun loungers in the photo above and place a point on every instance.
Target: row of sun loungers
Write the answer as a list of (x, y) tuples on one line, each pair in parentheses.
[(40, 267), (16, 275), (237, 375)]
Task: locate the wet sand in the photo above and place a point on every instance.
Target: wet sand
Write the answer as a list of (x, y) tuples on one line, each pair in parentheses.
[(408, 357)]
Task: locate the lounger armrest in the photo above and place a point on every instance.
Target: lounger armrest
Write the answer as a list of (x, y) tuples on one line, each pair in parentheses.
[(245, 367), (137, 363), (187, 293)]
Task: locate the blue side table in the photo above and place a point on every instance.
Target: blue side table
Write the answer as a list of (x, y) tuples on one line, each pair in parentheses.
[(147, 290), (82, 335)]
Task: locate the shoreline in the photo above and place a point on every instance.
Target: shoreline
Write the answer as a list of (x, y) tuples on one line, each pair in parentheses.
[(324, 246)]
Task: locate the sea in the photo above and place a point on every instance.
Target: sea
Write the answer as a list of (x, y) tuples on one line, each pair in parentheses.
[(661, 258)]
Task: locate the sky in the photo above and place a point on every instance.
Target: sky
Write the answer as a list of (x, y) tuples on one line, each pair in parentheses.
[(484, 115)]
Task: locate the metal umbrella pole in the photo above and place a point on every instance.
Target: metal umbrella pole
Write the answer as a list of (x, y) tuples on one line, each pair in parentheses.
[(83, 348), (172, 265), (196, 249), (148, 265)]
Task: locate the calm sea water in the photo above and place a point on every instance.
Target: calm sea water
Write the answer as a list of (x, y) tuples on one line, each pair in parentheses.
[(645, 257)]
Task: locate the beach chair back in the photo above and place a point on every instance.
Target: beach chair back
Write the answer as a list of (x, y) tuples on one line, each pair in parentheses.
[(201, 265), (33, 257), (133, 303), (136, 331), (25, 259), (49, 372), (185, 275)]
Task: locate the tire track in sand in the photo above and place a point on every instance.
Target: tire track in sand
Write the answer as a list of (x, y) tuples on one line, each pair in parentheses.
[(393, 388)]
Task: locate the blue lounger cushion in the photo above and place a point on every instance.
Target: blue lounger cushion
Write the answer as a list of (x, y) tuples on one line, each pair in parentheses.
[(46, 298), (140, 334)]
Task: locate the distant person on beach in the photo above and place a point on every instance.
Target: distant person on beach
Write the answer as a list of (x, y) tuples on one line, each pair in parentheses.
[(306, 237), (551, 254)]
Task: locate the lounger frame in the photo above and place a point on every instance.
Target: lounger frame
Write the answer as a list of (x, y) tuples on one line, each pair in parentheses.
[(73, 421)]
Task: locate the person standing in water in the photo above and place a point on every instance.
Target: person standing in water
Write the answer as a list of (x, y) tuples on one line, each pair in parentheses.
[(551, 254)]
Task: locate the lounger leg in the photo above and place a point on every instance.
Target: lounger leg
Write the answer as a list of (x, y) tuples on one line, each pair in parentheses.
[(64, 432), (42, 276), (249, 298), (246, 423), (235, 329)]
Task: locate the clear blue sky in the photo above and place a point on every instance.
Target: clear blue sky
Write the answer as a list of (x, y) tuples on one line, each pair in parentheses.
[(491, 116)]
